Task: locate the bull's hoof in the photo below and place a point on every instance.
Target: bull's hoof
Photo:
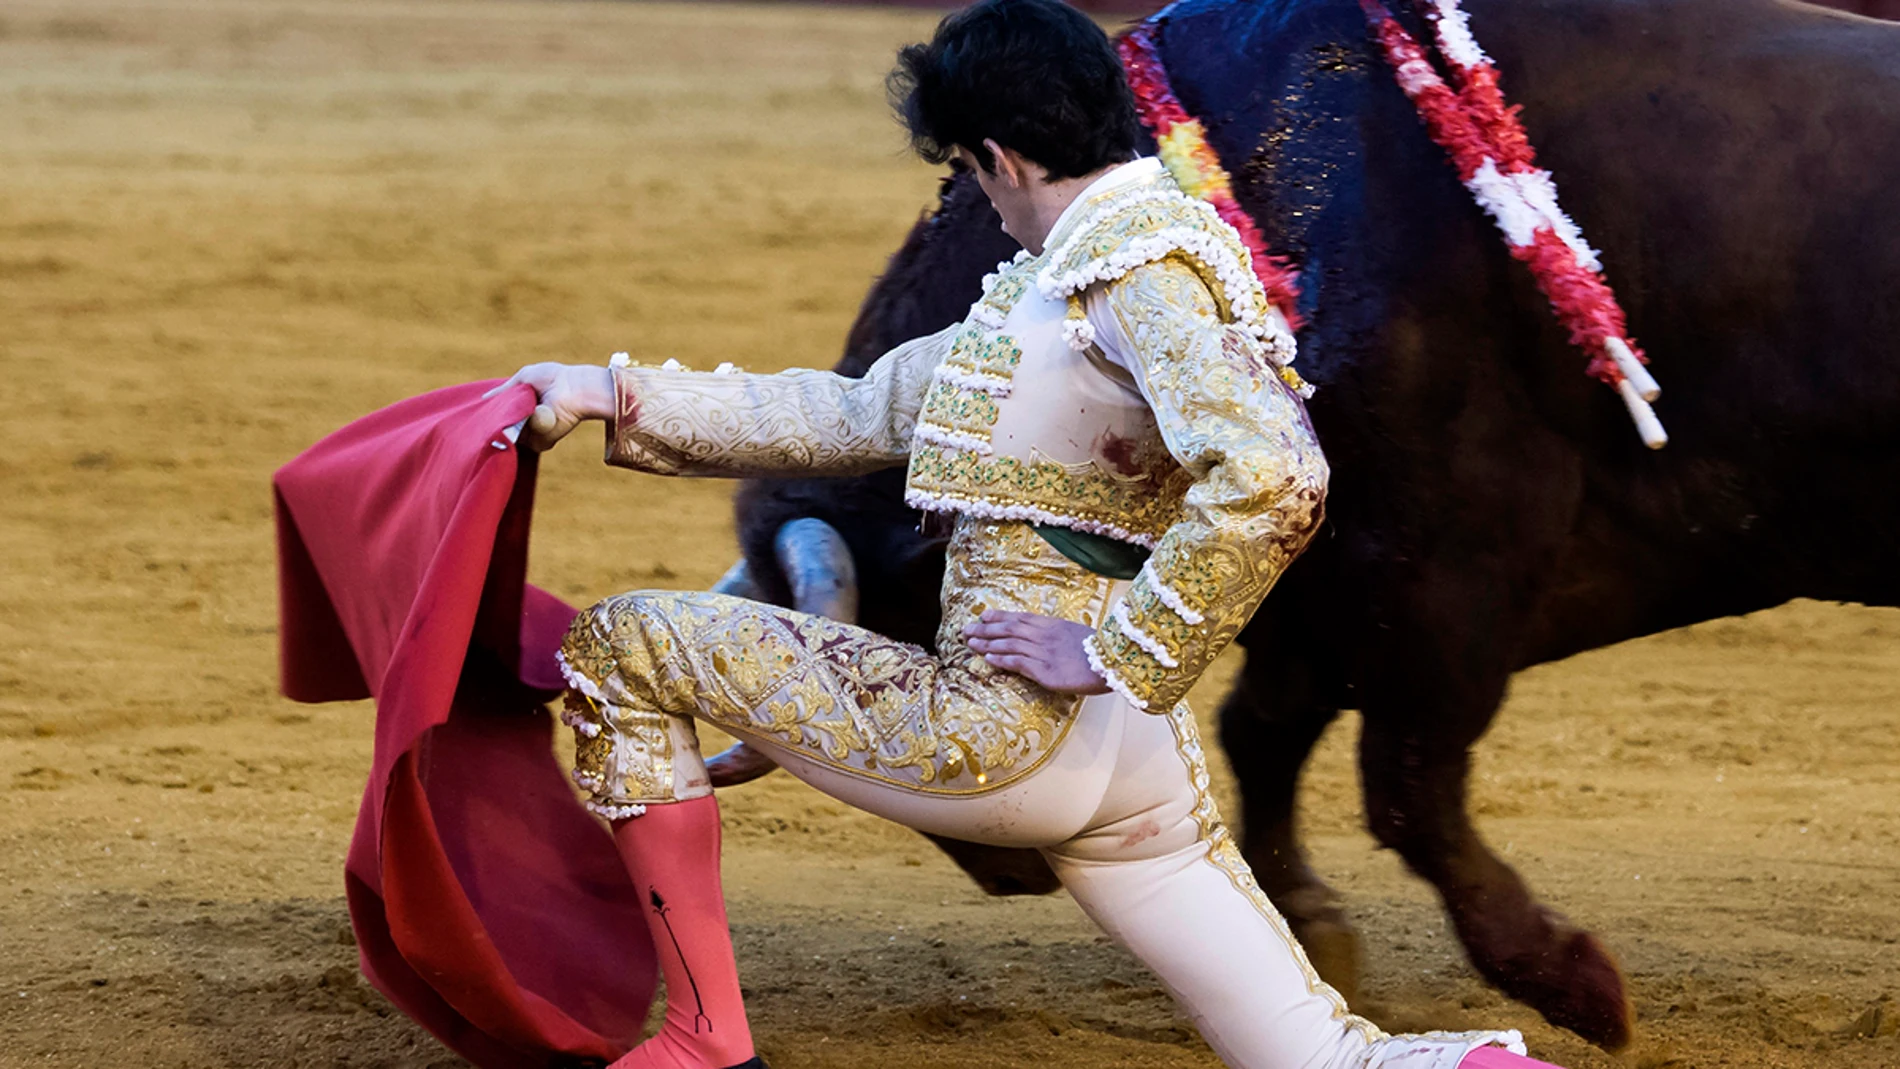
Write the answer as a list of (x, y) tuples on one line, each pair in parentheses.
[(1578, 986), (1330, 942)]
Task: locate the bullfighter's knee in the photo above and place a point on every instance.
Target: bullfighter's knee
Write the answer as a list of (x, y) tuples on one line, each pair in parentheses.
[(623, 636), (632, 747)]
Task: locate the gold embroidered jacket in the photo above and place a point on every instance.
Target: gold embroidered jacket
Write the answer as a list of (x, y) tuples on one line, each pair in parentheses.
[(1258, 481), (1131, 382)]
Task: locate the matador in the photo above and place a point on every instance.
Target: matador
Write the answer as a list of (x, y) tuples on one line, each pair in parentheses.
[(1118, 443)]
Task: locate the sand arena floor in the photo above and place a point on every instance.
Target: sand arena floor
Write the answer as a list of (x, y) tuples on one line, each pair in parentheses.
[(229, 227)]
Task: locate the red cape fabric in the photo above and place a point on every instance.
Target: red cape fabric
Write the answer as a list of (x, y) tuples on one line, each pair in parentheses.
[(488, 904)]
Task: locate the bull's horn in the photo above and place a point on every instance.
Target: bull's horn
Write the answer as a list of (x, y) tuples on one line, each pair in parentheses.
[(818, 566), (737, 764), (1632, 369), (738, 582)]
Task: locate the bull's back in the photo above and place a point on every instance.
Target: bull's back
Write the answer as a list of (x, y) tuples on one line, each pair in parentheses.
[(1739, 160), (1732, 159), (1736, 162)]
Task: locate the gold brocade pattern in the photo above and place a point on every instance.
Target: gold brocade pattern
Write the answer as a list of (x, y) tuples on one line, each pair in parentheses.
[(986, 361), (841, 695), (1141, 213), (1259, 482), (629, 753), (1155, 220), (1137, 509), (1224, 854), (1011, 282), (953, 468), (967, 414)]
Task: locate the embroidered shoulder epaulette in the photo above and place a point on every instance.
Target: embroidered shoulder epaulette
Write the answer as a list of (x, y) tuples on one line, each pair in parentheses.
[(1151, 222)]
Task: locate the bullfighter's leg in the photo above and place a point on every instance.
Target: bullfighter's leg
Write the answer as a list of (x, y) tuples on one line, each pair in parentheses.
[(1415, 761), (666, 828), (939, 744), (952, 746), (672, 854), (1119, 799), (1158, 870), (1269, 724)]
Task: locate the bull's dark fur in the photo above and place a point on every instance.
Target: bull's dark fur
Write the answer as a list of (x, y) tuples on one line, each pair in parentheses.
[(1491, 507)]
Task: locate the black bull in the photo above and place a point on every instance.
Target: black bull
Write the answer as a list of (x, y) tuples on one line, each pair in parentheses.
[(1738, 162)]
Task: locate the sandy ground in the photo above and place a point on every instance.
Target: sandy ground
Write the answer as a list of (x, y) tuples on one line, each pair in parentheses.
[(229, 227)]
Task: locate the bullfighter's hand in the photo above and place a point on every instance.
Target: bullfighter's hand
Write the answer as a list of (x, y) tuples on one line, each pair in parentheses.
[(1042, 649), (566, 395)]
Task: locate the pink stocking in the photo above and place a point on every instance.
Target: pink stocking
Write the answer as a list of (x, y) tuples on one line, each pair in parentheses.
[(1499, 1058), (672, 853)]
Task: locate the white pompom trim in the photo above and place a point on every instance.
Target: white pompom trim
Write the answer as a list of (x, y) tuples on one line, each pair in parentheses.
[(953, 439), (592, 784), (615, 812), (927, 501), (984, 315), (1246, 297), (1079, 333), (575, 679), (980, 382), (1115, 682), (1169, 597)]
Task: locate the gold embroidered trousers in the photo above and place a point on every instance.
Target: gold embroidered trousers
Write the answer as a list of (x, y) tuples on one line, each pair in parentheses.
[(1115, 798), (836, 695)]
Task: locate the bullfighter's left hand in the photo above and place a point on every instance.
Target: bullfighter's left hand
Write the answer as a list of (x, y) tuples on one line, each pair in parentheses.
[(566, 395), (1042, 649)]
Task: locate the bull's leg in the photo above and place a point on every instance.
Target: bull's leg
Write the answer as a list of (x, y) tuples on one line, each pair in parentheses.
[(1000, 870), (1268, 726), (1415, 757)]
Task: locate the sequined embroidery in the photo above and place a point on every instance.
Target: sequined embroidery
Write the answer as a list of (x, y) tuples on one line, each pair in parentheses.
[(1258, 484), (1081, 496), (846, 697), (960, 407)]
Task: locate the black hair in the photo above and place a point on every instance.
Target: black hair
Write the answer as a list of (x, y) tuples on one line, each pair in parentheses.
[(1037, 76)]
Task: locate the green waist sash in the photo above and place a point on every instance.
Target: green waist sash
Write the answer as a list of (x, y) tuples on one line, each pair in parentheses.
[(1110, 557)]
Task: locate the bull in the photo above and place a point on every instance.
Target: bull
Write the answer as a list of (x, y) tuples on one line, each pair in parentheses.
[(1491, 508)]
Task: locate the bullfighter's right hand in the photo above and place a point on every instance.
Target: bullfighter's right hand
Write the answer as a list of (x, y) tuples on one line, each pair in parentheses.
[(566, 395)]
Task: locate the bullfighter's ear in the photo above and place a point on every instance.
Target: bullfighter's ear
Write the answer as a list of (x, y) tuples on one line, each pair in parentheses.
[(1011, 166)]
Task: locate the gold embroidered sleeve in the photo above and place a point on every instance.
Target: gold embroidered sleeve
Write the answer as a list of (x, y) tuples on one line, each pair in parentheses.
[(1259, 482), (798, 422)]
